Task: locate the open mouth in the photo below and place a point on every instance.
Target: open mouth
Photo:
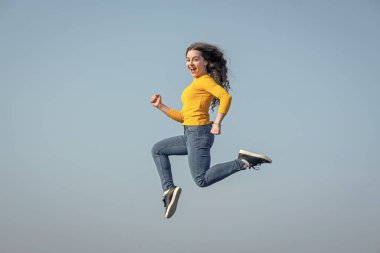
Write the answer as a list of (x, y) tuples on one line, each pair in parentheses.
[(192, 70)]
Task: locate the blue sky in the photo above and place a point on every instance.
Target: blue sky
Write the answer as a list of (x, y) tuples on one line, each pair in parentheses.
[(76, 128)]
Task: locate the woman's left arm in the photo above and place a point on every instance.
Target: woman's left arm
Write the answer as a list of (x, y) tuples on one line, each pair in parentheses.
[(217, 125), (224, 105)]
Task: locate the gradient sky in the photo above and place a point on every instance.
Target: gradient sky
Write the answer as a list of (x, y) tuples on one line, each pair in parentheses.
[(76, 174)]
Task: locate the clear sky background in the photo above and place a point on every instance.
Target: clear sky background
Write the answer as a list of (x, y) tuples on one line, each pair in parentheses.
[(76, 126)]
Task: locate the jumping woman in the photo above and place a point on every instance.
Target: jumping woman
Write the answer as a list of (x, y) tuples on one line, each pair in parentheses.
[(209, 88)]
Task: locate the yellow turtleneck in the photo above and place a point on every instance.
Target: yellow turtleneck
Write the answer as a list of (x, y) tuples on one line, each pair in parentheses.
[(196, 100)]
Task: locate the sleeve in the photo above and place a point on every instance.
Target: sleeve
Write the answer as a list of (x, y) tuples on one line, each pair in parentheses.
[(176, 115), (218, 91)]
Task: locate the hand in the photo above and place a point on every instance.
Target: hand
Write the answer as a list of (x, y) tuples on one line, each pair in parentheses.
[(216, 129), (156, 100)]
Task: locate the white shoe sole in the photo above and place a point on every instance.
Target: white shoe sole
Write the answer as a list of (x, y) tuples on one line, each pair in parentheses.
[(244, 152), (173, 203)]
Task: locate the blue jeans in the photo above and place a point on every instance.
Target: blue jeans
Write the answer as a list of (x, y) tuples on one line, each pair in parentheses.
[(196, 143)]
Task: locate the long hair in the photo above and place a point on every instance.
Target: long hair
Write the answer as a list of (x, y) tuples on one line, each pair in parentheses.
[(216, 67)]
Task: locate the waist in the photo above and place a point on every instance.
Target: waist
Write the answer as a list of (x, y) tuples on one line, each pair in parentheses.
[(197, 118), (190, 127)]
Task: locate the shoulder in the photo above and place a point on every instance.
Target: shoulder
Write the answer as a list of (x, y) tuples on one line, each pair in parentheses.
[(205, 81)]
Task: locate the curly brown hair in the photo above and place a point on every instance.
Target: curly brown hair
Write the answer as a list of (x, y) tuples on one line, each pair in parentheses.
[(216, 67)]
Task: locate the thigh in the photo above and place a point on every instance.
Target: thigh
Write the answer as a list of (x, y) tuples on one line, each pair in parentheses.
[(171, 146), (199, 143)]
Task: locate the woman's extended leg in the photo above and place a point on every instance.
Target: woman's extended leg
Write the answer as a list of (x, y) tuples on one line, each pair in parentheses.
[(161, 152)]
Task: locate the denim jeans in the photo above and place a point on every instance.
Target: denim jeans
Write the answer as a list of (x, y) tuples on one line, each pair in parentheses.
[(196, 143)]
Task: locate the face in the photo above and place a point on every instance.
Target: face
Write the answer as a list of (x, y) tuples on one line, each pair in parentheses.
[(196, 63)]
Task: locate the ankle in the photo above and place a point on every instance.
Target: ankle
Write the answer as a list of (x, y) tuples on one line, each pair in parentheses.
[(246, 163)]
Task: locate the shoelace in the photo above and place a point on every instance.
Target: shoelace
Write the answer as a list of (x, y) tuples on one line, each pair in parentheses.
[(163, 200), (251, 166)]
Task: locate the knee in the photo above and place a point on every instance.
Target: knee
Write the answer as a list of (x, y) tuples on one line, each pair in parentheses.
[(155, 149), (201, 182)]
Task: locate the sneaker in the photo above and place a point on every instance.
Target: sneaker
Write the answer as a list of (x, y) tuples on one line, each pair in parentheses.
[(170, 200), (253, 159)]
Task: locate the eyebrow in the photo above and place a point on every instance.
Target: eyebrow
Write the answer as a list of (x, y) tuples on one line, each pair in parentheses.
[(193, 57)]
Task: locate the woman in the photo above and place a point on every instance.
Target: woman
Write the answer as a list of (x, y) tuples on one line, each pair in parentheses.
[(209, 88)]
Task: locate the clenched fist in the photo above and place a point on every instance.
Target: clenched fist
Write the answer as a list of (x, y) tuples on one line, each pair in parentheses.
[(156, 100)]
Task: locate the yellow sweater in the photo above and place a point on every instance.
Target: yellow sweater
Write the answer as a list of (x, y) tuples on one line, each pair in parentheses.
[(196, 101)]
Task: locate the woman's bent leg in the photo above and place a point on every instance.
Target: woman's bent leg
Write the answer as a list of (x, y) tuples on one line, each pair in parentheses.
[(199, 142), (161, 152), (221, 171)]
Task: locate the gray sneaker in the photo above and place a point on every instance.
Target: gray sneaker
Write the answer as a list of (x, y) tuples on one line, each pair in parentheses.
[(170, 200), (253, 159)]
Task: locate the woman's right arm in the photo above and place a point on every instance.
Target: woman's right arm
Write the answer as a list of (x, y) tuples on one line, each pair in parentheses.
[(156, 101)]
